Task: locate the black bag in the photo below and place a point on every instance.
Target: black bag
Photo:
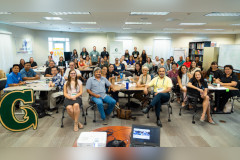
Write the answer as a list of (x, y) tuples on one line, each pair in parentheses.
[(39, 107)]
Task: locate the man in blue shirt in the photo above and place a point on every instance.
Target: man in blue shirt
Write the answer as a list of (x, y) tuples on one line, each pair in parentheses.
[(94, 55), (27, 73), (96, 88), (181, 61), (14, 78), (57, 81)]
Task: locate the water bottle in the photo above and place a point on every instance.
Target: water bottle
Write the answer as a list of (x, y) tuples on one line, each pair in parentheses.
[(116, 79), (210, 79), (127, 85)]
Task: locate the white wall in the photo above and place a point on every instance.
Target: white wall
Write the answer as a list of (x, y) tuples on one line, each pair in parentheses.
[(88, 40)]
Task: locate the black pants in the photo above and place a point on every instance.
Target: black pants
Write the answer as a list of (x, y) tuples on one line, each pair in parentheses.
[(222, 98)]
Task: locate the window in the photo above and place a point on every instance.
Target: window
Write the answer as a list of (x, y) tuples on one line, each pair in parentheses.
[(162, 48), (54, 42)]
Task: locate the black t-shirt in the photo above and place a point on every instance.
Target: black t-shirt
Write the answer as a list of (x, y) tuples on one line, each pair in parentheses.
[(84, 55), (138, 73), (135, 54), (110, 74), (48, 71), (229, 79), (216, 74), (195, 92), (62, 63), (103, 54), (127, 56), (20, 67), (144, 57), (33, 64)]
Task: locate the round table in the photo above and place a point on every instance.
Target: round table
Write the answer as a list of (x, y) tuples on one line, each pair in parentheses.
[(118, 132)]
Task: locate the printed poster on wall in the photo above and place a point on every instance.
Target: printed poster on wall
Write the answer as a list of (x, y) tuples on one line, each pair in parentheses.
[(116, 50), (24, 46), (57, 52)]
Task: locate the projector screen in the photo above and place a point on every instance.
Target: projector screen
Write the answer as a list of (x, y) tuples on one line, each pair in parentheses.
[(229, 54)]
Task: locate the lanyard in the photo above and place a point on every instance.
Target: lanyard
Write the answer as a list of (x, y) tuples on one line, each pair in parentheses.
[(157, 81), (146, 79)]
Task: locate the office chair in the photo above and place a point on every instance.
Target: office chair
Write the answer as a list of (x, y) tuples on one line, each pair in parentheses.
[(236, 96), (167, 104), (94, 107), (63, 111)]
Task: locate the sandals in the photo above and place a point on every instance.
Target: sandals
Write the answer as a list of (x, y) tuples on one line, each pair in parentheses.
[(75, 128), (80, 126)]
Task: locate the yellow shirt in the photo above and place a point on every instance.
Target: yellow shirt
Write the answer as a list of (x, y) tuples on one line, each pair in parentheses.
[(161, 83)]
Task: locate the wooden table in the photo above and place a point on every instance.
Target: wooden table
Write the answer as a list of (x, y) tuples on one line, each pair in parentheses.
[(119, 132), (87, 70), (130, 69)]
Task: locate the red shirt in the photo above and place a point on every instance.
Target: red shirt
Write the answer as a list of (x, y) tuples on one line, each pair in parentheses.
[(188, 64)]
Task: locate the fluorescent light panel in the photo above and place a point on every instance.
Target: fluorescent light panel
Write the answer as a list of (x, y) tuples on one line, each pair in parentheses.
[(83, 22), (149, 13), (227, 14), (192, 24), (5, 13), (53, 18), (213, 29), (127, 28), (177, 29), (235, 24), (89, 28), (133, 23), (27, 22), (68, 13)]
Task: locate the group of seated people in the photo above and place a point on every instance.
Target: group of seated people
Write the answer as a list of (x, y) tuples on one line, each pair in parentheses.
[(160, 75)]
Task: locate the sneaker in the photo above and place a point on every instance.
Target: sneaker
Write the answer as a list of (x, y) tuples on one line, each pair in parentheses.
[(105, 122), (146, 109)]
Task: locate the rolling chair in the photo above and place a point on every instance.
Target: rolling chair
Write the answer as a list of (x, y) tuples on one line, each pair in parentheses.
[(63, 111), (168, 104), (94, 107), (194, 99), (236, 96)]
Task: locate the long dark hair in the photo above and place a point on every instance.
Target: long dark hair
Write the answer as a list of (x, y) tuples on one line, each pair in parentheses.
[(180, 71), (191, 68), (210, 69), (228, 66), (194, 80), (69, 80), (139, 65)]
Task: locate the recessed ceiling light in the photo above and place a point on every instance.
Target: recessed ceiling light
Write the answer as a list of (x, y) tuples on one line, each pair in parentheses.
[(90, 28), (235, 24), (83, 22), (192, 24), (149, 13), (177, 29), (213, 29), (5, 13), (223, 14), (68, 13), (53, 18), (133, 23), (27, 22), (127, 28)]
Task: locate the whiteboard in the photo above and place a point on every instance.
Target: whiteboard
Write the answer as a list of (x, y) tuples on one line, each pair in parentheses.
[(178, 53), (229, 54), (148, 50)]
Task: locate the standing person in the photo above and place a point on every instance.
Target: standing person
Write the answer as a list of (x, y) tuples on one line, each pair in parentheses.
[(130, 61), (84, 53), (88, 61), (57, 81), (21, 64), (183, 79), (33, 64), (126, 55), (96, 87), (198, 83), (162, 86), (193, 68), (71, 68), (135, 54), (228, 79), (168, 65), (48, 61), (181, 61), (104, 53), (28, 73), (74, 55), (72, 92), (187, 63), (138, 70), (94, 56), (144, 57), (14, 78), (172, 60), (199, 63), (48, 71)]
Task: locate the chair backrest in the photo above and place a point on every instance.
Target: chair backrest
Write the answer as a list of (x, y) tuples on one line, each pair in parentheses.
[(193, 92), (127, 73), (2, 74)]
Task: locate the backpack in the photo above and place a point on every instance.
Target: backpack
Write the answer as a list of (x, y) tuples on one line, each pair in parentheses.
[(39, 107)]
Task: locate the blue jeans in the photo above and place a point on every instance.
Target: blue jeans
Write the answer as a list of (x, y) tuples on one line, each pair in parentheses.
[(111, 104), (158, 100)]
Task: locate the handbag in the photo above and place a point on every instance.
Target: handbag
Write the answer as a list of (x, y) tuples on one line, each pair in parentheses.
[(124, 113)]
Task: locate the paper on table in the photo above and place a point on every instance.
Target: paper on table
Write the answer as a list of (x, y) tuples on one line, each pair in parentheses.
[(217, 88)]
